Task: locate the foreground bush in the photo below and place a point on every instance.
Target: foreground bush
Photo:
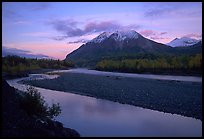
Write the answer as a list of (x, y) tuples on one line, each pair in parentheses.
[(34, 104)]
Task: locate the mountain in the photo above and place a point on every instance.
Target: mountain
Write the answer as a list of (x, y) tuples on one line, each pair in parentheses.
[(118, 43), (184, 41), (128, 44), (190, 50), (117, 36)]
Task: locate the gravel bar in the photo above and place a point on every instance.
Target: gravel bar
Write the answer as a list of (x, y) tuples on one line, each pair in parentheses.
[(176, 97)]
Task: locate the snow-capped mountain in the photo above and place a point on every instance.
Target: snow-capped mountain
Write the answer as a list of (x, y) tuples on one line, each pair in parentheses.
[(182, 42), (101, 37), (117, 43), (117, 35), (129, 43)]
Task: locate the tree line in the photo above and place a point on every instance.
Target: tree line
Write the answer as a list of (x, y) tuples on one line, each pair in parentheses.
[(183, 63), (16, 64)]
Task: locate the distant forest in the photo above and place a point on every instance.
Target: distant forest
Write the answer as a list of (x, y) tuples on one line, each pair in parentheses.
[(15, 64), (183, 64)]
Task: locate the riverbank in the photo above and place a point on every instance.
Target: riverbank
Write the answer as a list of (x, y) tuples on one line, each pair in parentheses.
[(176, 97), (17, 123), (132, 75), (165, 72), (8, 76)]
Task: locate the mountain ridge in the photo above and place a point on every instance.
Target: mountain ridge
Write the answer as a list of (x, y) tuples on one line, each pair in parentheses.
[(182, 42), (119, 35), (117, 44)]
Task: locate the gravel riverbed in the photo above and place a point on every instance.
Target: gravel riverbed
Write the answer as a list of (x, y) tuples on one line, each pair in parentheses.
[(176, 97)]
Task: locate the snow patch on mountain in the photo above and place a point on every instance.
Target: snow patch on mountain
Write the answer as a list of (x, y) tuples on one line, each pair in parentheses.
[(101, 37), (122, 35), (117, 35)]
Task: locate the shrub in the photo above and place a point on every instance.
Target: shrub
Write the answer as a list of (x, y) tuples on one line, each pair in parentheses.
[(54, 110), (34, 104)]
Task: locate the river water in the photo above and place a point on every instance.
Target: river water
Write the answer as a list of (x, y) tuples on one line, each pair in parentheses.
[(134, 75), (103, 118)]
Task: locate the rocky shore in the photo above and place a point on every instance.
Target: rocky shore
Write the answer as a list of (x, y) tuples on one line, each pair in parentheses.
[(17, 123), (8, 76)]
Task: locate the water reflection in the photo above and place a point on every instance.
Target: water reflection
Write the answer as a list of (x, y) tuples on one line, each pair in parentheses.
[(134, 75), (97, 117)]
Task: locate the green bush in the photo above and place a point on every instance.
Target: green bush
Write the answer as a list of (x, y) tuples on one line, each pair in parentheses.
[(54, 110), (34, 104)]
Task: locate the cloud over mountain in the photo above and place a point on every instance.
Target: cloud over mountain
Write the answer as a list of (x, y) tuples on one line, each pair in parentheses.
[(194, 35), (154, 35), (71, 28)]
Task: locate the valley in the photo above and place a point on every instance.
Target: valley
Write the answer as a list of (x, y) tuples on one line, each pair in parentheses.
[(102, 69)]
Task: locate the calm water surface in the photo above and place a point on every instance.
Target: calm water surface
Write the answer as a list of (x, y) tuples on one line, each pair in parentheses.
[(133, 75), (97, 117)]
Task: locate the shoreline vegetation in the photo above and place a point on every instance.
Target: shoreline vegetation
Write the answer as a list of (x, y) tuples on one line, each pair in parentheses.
[(183, 65), (176, 97), (166, 65), (15, 67), (26, 114)]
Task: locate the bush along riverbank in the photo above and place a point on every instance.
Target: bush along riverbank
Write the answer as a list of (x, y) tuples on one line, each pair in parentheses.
[(27, 115)]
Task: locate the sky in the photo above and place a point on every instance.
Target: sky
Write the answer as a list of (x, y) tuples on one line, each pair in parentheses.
[(54, 29)]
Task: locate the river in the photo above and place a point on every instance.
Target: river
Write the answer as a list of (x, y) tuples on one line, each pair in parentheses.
[(103, 118), (134, 75)]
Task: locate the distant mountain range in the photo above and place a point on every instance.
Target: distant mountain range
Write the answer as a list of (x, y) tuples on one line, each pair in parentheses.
[(184, 41), (22, 53), (125, 43)]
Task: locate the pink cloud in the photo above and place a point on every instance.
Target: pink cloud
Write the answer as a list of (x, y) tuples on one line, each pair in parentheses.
[(194, 35), (70, 28), (102, 26), (162, 33), (147, 33), (157, 38), (155, 35), (57, 50)]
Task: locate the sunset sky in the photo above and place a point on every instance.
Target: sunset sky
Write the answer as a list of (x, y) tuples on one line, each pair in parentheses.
[(55, 29)]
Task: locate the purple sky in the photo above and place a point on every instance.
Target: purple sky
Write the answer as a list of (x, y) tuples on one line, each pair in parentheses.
[(56, 29)]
